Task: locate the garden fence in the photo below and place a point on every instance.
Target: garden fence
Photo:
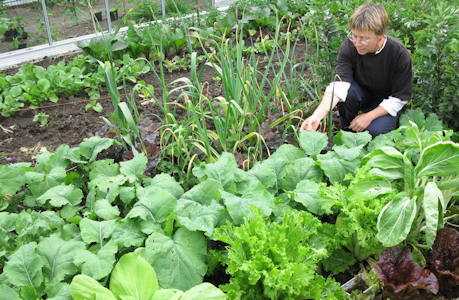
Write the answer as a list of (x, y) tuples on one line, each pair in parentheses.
[(28, 23)]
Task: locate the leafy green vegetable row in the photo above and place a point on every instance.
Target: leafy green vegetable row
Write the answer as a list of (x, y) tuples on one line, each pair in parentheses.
[(33, 85), (75, 212)]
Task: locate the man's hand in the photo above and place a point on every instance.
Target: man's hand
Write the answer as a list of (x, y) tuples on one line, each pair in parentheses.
[(311, 123), (361, 122)]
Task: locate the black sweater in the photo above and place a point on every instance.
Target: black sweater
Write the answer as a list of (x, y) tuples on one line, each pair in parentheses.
[(385, 74)]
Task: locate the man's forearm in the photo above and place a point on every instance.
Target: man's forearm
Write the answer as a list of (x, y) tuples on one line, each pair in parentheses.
[(379, 111), (334, 92)]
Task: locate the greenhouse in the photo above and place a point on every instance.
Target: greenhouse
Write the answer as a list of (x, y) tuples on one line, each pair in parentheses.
[(229, 149)]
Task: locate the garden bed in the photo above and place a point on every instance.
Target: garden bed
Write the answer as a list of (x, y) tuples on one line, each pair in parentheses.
[(203, 175)]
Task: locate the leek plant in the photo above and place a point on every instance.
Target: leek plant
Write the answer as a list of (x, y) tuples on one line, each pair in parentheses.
[(125, 117)]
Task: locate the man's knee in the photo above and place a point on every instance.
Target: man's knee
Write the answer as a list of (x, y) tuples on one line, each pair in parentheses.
[(382, 125)]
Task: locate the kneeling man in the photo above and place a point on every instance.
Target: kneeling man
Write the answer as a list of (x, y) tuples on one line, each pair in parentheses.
[(374, 77)]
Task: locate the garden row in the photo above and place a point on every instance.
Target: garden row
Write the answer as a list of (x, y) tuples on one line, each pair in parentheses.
[(280, 230)]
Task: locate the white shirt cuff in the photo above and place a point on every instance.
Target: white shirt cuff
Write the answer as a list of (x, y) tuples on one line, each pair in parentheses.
[(339, 89), (392, 105)]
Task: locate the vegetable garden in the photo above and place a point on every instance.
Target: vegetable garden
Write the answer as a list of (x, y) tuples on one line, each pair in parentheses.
[(173, 167)]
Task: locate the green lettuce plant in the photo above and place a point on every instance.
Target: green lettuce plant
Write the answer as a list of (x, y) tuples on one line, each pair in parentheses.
[(277, 260)]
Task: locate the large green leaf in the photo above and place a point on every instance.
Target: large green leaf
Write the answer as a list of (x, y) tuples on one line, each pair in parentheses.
[(105, 167), (92, 146), (384, 140), (332, 167), (96, 231), (245, 183), (58, 291), (205, 192), (41, 181), (429, 123), (46, 161), (31, 224), (312, 142), (385, 158), (167, 294), (352, 139), (387, 162), (196, 216), (97, 265), (7, 226), (24, 266), (127, 194), (307, 193), (105, 210), (86, 288), (440, 159), (12, 178), (223, 170), (128, 233), (449, 186), (61, 195), (166, 182), (265, 174), (297, 170), (283, 155), (348, 153), (180, 261), (431, 203), (241, 208), (133, 278), (390, 174), (133, 169), (108, 187), (155, 203), (414, 115), (59, 256), (369, 188), (395, 220)]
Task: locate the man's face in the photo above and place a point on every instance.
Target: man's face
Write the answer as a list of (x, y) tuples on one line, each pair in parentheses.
[(365, 41)]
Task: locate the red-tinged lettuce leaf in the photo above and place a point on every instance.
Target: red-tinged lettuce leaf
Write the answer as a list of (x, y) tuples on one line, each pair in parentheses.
[(444, 261), (402, 277)]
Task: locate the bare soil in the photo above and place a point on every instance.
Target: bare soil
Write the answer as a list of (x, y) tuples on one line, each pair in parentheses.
[(68, 123)]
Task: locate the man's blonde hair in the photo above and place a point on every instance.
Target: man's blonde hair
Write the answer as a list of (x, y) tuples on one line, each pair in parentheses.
[(370, 17)]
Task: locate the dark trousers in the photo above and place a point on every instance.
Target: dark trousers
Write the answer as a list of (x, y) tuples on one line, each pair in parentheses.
[(358, 100)]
